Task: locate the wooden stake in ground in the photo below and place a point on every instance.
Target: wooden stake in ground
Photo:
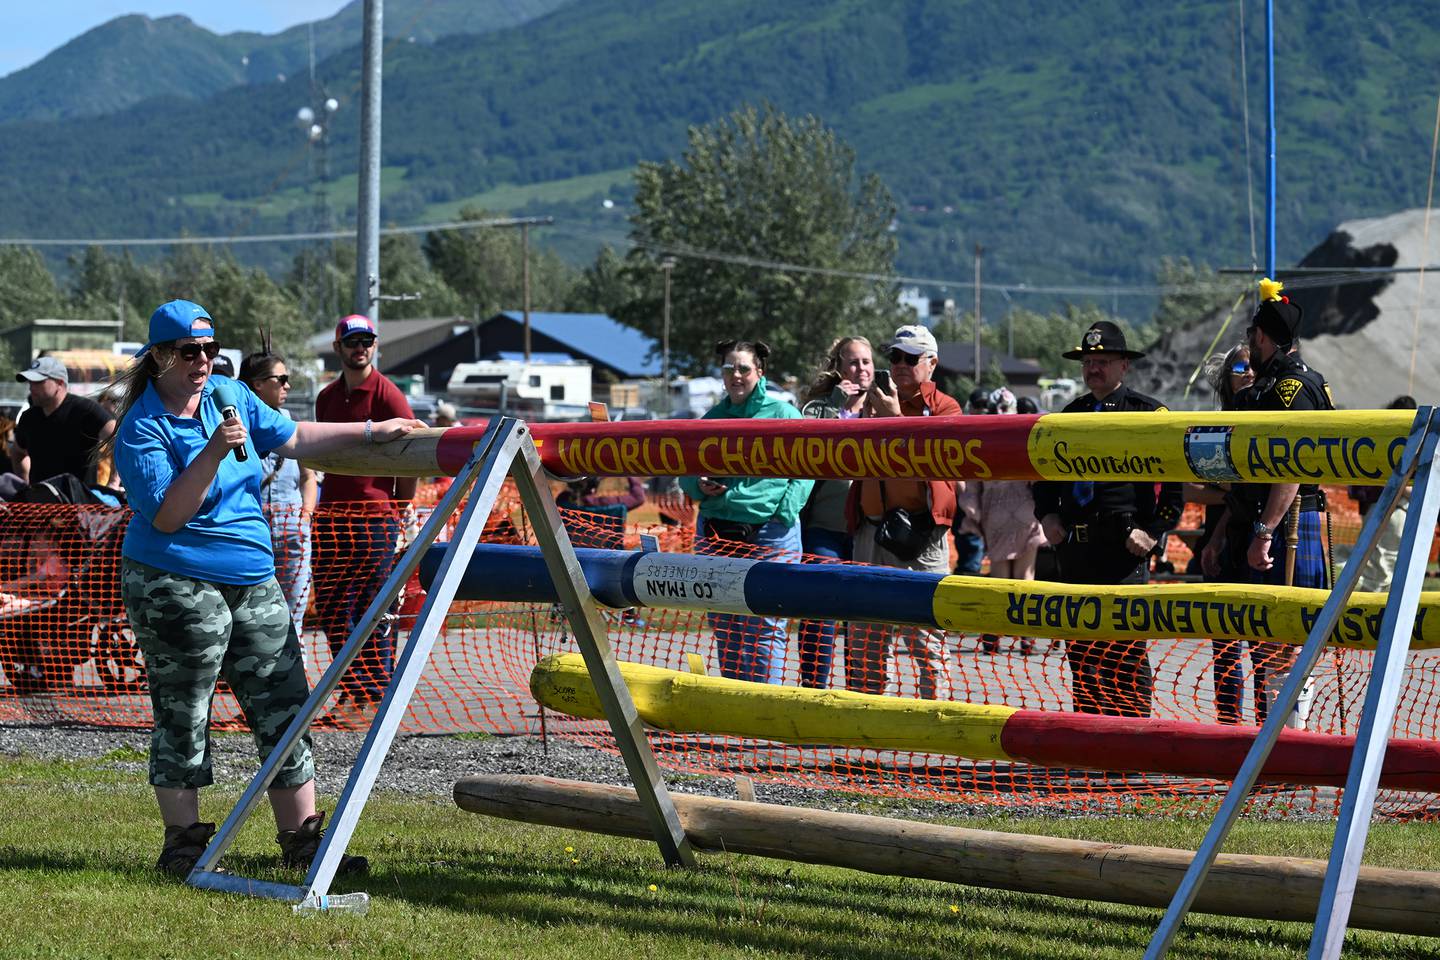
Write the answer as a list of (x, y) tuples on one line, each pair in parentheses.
[(1266, 888)]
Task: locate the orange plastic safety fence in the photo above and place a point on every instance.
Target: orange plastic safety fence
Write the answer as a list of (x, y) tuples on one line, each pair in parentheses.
[(67, 654)]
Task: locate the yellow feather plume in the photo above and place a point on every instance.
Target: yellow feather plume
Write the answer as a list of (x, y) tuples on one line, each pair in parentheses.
[(1270, 289)]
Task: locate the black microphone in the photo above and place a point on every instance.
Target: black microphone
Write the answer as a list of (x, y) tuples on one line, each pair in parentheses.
[(225, 400)]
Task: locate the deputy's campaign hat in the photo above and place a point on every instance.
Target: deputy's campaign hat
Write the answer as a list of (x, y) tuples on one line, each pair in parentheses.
[(1103, 337)]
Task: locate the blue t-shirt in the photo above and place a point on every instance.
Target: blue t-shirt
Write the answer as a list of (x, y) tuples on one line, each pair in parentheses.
[(227, 541)]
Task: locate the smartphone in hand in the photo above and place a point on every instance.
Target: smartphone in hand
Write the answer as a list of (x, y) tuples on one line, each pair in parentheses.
[(882, 380)]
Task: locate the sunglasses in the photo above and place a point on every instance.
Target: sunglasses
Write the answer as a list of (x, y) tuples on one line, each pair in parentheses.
[(281, 378), (900, 356), (190, 352), (1240, 366), (360, 340), (744, 369)]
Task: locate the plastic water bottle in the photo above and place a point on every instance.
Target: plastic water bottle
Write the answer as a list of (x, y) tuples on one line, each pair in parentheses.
[(357, 903)]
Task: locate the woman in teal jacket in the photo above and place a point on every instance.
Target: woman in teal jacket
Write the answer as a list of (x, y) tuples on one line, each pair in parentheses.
[(761, 512)]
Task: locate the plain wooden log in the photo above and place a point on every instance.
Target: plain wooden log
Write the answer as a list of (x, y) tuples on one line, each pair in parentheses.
[(1264, 888)]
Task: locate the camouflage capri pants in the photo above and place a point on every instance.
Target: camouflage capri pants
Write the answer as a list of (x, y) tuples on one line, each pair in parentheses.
[(192, 633)]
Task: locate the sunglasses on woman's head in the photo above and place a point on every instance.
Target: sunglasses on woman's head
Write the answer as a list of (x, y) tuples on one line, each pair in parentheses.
[(744, 369), (900, 356), (189, 352)]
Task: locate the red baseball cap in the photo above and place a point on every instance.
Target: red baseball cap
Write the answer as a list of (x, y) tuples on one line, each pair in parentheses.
[(353, 324)]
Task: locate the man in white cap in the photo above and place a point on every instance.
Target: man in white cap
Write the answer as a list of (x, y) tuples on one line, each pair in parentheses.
[(60, 430), (923, 511)]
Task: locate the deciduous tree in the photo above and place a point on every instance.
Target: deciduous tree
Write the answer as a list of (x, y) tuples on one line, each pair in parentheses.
[(754, 190)]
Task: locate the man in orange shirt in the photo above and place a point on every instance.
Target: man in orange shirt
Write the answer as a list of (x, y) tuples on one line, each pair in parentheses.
[(358, 523), (903, 523)]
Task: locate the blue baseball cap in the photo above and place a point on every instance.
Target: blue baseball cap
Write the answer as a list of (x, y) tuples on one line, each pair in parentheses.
[(178, 319)]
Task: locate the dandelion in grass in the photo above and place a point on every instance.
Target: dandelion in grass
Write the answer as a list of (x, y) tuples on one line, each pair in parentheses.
[(653, 888), (574, 859), (569, 849), (954, 908)]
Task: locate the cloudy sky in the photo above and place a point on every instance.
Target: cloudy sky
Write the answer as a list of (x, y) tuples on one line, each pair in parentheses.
[(28, 31)]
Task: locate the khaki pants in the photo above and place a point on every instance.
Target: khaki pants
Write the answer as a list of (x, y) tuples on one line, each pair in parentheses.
[(868, 647)]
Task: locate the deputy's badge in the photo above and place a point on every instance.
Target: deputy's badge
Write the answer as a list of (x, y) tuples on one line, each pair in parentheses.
[(1092, 338), (1286, 389)]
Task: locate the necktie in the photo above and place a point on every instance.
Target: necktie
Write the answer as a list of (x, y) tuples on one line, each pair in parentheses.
[(1083, 491)]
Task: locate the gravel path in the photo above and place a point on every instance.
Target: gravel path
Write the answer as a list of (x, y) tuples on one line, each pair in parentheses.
[(429, 766)]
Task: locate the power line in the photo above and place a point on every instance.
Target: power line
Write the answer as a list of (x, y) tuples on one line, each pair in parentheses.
[(1311, 276), (272, 237)]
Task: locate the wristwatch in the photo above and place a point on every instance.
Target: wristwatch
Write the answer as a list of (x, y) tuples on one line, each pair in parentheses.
[(1261, 531)]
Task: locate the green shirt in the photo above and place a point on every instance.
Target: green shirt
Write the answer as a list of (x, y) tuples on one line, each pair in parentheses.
[(753, 499)]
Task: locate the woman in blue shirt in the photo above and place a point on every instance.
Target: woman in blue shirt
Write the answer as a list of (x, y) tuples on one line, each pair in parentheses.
[(198, 574)]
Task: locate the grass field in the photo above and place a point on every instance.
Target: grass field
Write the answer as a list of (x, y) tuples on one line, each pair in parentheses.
[(77, 840)]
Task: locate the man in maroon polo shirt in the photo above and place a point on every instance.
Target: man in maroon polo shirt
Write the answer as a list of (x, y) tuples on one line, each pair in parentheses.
[(358, 525)]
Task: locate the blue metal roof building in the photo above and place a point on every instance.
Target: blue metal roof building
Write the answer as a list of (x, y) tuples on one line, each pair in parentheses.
[(605, 343), (614, 351)]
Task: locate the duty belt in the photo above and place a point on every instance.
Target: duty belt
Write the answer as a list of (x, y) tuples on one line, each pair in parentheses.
[(1123, 522)]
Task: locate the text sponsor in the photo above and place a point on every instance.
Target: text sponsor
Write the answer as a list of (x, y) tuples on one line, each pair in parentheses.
[(891, 458), (1073, 463)]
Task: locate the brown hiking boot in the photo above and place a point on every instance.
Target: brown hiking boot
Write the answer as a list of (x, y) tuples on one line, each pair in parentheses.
[(298, 847), (183, 847)]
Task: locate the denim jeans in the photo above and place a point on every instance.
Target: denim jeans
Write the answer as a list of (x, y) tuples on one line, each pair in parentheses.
[(817, 637), (290, 539), (969, 553), (354, 554), (753, 648)]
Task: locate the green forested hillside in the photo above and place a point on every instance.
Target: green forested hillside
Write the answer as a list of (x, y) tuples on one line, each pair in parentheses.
[(1077, 142), (134, 58)]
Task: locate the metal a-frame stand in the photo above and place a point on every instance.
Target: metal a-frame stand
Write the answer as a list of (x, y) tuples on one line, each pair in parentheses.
[(1381, 696), (506, 448)]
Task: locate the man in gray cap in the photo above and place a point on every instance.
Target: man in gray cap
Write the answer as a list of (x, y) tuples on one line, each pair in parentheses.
[(59, 431)]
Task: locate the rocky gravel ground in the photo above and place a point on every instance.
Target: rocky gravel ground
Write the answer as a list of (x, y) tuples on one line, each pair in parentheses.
[(429, 765)]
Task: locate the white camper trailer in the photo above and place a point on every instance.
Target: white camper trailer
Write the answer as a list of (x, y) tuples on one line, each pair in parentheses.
[(553, 382)]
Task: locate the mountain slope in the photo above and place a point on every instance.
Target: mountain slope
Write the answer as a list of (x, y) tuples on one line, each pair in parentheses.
[(134, 58), (1077, 143)]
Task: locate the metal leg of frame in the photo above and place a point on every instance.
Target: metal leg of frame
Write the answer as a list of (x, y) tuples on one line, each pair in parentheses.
[(1381, 697), (429, 625), (204, 876), (593, 638), (1419, 441)]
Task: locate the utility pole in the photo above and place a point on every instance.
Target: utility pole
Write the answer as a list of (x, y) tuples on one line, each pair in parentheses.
[(978, 251), (367, 230), (667, 265), (525, 281)]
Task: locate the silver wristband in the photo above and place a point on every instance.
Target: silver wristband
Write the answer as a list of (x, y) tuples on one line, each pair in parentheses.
[(369, 431)]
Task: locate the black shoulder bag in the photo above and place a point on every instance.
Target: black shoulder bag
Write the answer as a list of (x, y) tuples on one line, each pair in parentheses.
[(903, 533)]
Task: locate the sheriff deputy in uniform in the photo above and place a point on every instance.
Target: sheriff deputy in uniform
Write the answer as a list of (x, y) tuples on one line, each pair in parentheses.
[(1255, 519), (1103, 532)]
